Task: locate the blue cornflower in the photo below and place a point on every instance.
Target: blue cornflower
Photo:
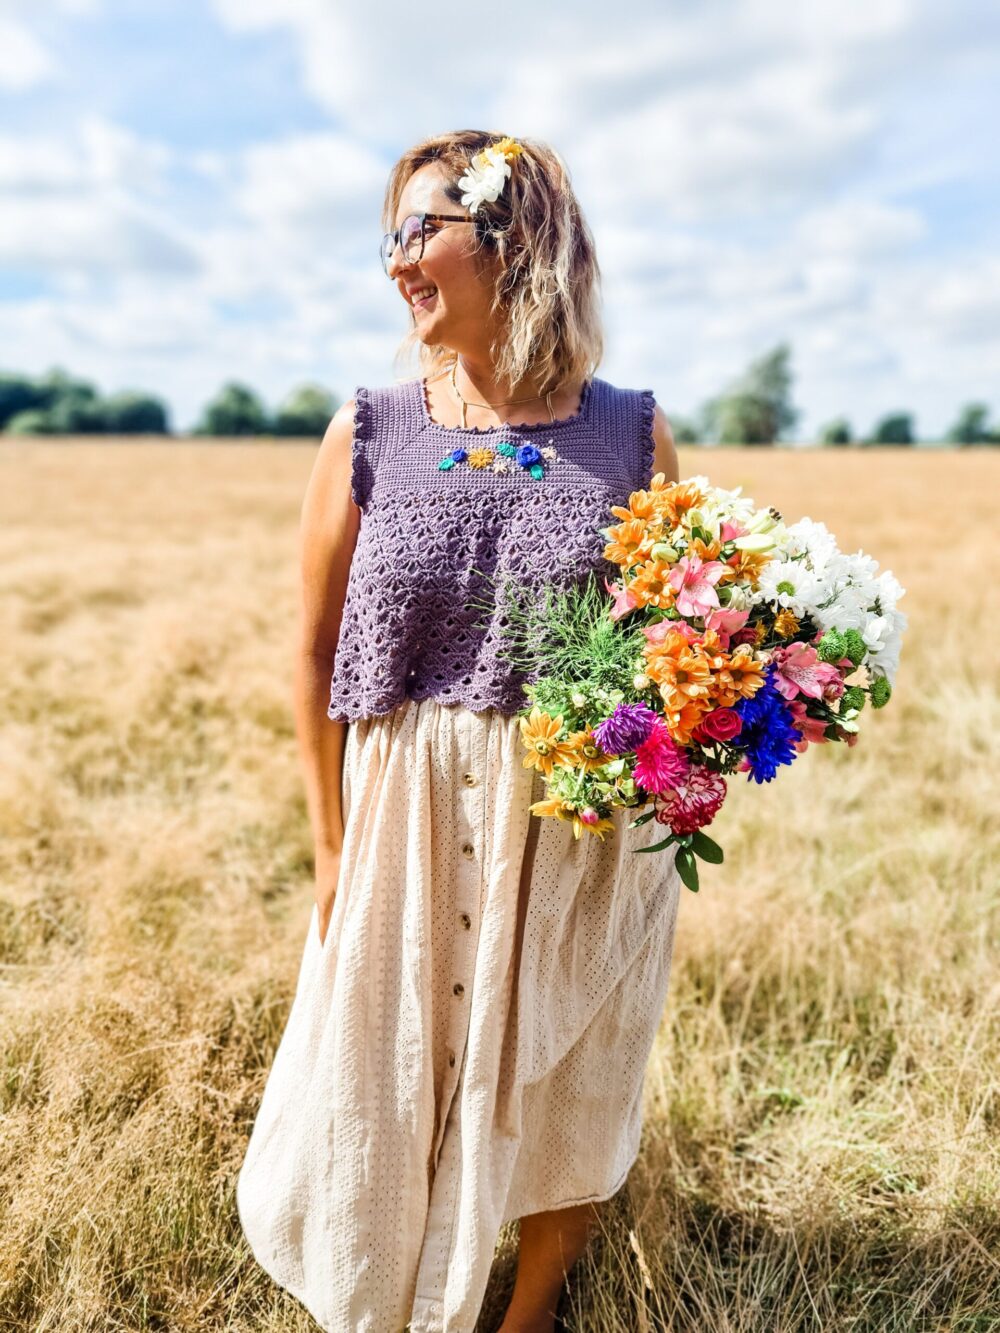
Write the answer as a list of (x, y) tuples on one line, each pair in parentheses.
[(626, 729), (768, 733)]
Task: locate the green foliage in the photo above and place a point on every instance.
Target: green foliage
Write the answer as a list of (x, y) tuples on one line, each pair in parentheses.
[(971, 426), (896, 428), (33, 421), (235, 410), (756, 408), (134, 413), (305, 412), (59, 404), (684, 431), (577, 661), (837, 431)]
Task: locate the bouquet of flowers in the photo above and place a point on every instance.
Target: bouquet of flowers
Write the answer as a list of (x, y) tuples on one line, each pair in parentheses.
[(729, 643)]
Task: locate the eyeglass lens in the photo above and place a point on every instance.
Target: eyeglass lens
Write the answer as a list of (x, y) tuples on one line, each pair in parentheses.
[(411, 241)]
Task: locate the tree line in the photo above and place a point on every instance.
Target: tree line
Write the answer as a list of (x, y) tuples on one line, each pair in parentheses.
[(755, 409)]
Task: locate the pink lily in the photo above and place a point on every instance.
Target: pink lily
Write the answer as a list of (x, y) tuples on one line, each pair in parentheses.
[(725, 622), (623, 602), (798, 671), (692, 580)]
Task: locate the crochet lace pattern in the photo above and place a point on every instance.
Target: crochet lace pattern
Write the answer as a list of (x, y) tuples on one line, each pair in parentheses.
[(406, 629)]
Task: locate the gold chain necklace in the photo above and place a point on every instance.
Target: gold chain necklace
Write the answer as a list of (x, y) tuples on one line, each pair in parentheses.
[(506, 403)]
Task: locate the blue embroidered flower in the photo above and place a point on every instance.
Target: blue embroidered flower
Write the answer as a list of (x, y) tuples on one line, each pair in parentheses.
[(459, 454), (527, 454)]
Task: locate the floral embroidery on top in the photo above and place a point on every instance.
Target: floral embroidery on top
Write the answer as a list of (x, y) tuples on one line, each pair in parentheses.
[(504, 456)]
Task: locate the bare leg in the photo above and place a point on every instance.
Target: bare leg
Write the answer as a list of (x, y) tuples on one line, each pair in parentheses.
[(550, 1245)]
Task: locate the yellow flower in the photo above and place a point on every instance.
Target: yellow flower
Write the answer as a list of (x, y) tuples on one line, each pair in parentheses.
[(509, 147), (786, 623), (585, 752), (539, 732), (480, 457)]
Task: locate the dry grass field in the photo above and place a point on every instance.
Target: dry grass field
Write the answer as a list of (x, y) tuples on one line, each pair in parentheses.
[(823, 1105)]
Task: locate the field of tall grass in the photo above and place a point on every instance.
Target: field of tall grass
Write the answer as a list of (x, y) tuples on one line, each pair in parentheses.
[(820, 1148)]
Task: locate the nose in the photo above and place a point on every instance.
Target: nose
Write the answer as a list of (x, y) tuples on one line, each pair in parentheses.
[(395, 265)]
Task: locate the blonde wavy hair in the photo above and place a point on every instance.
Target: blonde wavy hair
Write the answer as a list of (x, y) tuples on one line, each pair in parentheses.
[(547, 289)]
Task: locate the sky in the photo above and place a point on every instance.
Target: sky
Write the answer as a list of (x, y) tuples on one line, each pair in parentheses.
[(190, 190)]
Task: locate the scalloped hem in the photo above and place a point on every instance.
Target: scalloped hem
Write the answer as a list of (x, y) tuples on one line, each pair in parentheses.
[(647, 445), (360, 468)]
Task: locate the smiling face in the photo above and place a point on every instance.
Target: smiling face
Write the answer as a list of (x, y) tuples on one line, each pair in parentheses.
[(457, 314)]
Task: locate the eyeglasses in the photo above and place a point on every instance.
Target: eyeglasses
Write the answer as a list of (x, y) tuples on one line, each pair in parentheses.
[(410, 236)]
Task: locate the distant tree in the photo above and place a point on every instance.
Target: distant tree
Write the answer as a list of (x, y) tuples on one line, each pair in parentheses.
[(132, 412), (684, 431), (971, 427), (32, 421), (18, 393), (756, 408), (837, 431), (235, 410), (896, 428), (306, 411)]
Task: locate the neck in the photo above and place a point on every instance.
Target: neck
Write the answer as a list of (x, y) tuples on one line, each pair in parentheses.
[(477, 380)]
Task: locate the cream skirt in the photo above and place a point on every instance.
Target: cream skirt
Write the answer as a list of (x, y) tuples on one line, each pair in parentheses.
[(468, 1044)]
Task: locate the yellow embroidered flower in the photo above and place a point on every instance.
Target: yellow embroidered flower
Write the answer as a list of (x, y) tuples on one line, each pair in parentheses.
[(480, 457), (539, 732)]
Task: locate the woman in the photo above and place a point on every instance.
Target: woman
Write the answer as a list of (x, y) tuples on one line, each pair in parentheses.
[(481, 986)]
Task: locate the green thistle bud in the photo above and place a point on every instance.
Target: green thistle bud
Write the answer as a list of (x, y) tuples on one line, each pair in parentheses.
[(879, 691), (831, 647), (854, 646), (853, 697)]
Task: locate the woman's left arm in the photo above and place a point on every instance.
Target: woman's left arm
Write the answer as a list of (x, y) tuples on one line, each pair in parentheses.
[(664, 451)]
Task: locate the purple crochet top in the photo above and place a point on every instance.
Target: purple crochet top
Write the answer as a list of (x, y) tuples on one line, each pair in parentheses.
[(405, 631)]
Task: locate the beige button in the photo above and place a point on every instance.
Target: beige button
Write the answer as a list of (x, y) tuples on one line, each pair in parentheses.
[(468, 850), (469, 779), (451, 1057), (465, 919), (458, 988)]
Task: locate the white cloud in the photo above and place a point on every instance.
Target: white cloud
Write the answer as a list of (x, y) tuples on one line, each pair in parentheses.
[(24, 61)]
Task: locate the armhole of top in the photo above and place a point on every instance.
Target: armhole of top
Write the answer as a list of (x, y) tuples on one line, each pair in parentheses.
[(647, 445), (361, 463)]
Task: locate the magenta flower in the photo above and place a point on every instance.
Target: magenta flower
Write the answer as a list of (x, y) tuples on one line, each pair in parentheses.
[(693, 804), (798, 671), (692, 579), (660, 763)]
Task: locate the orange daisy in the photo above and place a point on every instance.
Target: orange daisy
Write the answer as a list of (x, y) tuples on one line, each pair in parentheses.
[(628, 543), (740, 678), (680, 671), (651, 585)]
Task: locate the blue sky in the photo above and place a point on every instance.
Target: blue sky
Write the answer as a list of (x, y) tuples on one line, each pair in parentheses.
[(190, 192)]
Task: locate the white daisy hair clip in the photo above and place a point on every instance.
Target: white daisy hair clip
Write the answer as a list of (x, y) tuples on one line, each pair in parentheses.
[(488, 172)]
